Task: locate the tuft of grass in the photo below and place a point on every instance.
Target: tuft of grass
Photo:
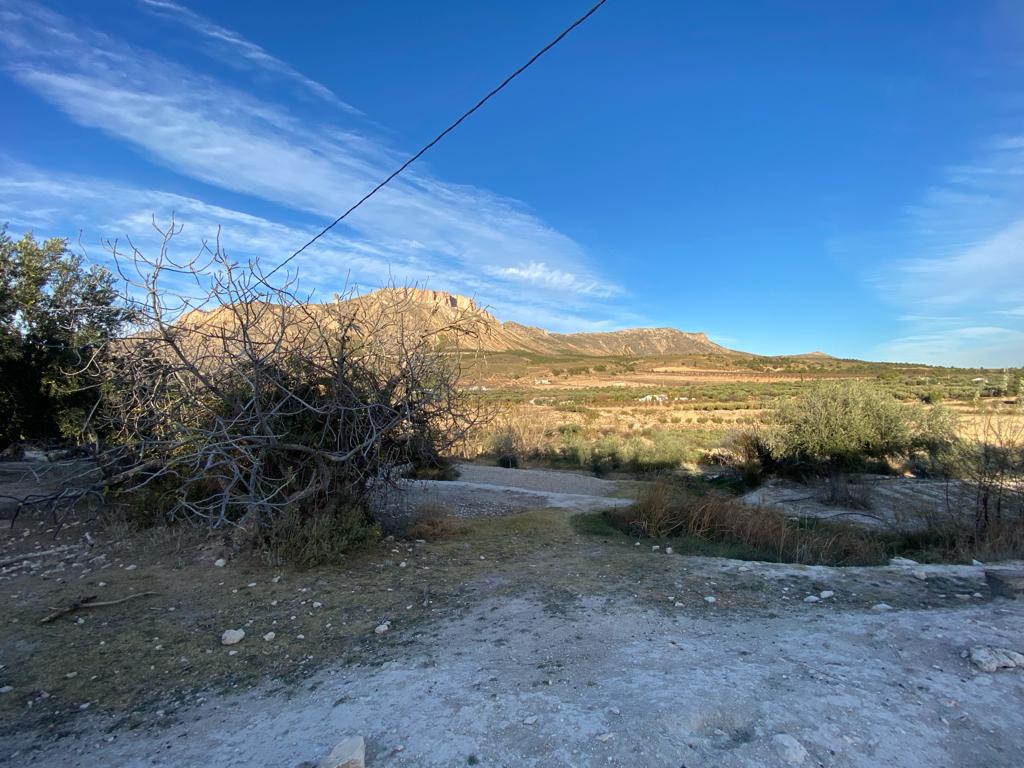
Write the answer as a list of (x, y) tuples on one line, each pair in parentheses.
[(307, 541), (711, 521), (432, 522)]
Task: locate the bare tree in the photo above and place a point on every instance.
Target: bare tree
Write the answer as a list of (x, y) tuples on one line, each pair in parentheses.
[(236, 399)]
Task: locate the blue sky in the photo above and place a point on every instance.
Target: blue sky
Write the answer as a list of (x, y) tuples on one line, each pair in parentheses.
[(786, 176)]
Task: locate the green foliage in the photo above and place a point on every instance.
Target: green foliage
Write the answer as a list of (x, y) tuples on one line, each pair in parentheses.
[(307, 541), (53, 310), (506, 447), (840, 424)]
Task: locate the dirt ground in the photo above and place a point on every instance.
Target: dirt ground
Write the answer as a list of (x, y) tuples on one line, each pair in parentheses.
[(537, 638)]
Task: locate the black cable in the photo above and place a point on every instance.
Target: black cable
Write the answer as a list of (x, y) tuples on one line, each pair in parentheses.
[(446, 131)]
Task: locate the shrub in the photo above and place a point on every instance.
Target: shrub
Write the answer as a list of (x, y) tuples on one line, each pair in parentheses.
[(506, 448), (839, 425), (261, 410), (310, 540)]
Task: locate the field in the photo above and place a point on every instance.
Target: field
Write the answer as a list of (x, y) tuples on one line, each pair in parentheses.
[(666, 412)]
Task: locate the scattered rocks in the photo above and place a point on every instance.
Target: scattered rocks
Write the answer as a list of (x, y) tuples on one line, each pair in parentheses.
[(789, 749), (269, 636), (220, 562), (347, 753), (382, 628), (826, 594), (812, 599), (232, 636), (989, 659)]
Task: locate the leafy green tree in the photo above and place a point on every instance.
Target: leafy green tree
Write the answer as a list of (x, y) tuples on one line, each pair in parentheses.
[(53, 310), (838, 425)]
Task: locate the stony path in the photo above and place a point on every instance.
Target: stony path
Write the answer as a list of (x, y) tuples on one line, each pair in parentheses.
[(482, 491), (525, 679)]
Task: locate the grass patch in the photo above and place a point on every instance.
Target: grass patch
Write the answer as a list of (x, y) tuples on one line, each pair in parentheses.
[(715, 525)]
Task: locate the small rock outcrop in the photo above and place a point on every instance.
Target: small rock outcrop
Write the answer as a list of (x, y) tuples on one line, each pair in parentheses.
[(990, 659), (350, 752)]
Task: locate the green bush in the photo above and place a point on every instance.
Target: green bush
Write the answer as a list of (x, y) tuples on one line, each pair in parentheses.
[(838, 426)]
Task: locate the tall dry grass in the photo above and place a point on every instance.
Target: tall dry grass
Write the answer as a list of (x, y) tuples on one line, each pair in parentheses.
[(665, 511)]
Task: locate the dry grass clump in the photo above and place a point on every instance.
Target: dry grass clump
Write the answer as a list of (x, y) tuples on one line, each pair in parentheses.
[(431, 522), (663, 511)]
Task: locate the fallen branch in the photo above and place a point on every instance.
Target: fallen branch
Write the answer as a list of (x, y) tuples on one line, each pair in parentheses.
[(89, 602)]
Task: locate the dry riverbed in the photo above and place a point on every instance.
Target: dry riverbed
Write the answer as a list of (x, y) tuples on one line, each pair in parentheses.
[(534, 639)]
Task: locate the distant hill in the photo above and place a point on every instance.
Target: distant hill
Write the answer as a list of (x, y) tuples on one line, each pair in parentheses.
[(432, 312), (433, 309)]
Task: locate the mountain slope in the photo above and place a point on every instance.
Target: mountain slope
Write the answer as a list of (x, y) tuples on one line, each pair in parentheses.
[(431, 310)]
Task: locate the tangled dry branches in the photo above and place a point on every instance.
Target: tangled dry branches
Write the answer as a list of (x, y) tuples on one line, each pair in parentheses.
[(235, 400)]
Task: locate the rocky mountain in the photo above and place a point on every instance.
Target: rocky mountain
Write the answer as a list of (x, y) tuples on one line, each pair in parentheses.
[(432, 310)]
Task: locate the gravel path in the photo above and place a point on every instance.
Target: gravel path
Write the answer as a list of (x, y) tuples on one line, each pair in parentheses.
[(541, 680), (484, 491)]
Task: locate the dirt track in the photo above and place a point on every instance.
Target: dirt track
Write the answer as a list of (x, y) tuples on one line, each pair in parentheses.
[(552, 647)]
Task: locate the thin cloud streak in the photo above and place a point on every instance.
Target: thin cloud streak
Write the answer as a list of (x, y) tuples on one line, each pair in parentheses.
[(221, 136), (238, 45)]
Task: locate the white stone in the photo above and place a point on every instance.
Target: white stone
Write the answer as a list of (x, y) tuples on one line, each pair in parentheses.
[(220, 562), (710, 599), (881, 607), (655, 548), (530, 720), (920, 575), (668, 550), (269, 636), (811, 599), (902, 561), (989, 659), (383, 627), (7, 689), (826, 594), (317, 604), (347, 753), (789, 749), (976, 562), (232, 636)]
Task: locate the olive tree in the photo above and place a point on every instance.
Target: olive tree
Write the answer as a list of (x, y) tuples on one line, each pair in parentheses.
[(837, 425), (53, 308)]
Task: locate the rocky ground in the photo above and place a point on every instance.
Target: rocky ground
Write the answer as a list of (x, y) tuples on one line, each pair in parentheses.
[(535, 639)]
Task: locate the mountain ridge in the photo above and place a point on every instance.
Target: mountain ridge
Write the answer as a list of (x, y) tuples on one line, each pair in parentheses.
[(434, 308)]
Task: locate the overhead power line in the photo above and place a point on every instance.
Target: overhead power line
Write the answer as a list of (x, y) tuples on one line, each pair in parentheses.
[(446, 131)]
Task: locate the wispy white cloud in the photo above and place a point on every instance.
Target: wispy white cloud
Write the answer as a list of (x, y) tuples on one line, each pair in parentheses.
[(454, 236), (104, 210), (239, 50), (540, 274), (963, 265)]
